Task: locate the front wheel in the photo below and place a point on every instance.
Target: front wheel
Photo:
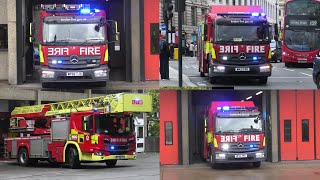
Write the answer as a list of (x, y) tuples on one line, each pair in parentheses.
[(23, 157), (213, 164), (111, 163), (263, 80), (73, 158), (257, 164)]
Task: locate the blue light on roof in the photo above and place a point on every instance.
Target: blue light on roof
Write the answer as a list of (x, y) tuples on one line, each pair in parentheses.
[(59, 62), (255, 14), (263, 14), (112, 147), (255, 58), (226, 108), (218, 108), (85, 11), (97, 10), (95, 109)]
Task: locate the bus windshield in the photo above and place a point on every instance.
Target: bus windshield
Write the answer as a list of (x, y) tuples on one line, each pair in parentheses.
[(306, 7)]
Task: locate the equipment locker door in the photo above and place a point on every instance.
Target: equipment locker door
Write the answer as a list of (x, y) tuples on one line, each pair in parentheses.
[(296, 125), (140, 138)]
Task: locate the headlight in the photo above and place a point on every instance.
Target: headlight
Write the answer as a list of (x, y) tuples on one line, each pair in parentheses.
[(225, 58), (47, 74), (219, 69), (99, 154), (259, 155), (220, 156), (265, 68), (272, 52), (284, 53), (225, 147), (100, 73)]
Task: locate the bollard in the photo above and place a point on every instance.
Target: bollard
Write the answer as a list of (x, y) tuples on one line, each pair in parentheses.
[(176, 53)]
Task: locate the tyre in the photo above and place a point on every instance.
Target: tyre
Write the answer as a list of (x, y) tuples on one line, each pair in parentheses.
[(257, 164), (111, 163), (263, 80), (213, 164), (73, 158), (287, 65), (212, 80), (23, 157)]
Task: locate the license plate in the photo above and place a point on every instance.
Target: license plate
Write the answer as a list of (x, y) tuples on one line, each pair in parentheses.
[(120, 157), (240, 156), (242, 69), (302, 60), (74, 73)]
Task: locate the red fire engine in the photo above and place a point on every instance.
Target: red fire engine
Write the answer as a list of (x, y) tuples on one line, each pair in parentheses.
[(97, 129), (73, 42), (234, 133), (234, 41)]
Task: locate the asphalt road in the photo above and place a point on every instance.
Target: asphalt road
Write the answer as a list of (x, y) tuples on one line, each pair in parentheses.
[(305, 170), (282, 77), (146, 167)]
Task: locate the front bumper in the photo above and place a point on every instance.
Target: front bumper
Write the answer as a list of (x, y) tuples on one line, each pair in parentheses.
[(223, 70), (89, 75), (230, 157), (91, 157)]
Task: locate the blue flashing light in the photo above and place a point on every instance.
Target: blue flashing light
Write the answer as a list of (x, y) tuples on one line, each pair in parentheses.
[(95, 109), (263, 14), (59, 62), (85, 11), (255, 14), (112, 147), (251, 145), (255, 58), (219, 108), (97, 10), (225, 108)]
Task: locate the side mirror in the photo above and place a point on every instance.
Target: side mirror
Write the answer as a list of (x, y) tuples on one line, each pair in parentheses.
[(113, 33)]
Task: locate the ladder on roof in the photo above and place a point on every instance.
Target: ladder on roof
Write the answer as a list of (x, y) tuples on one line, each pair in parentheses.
[(113, 103)]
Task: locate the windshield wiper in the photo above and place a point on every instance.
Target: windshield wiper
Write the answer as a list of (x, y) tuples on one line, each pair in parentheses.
[(249, 129), (92, 39), (230, 131)]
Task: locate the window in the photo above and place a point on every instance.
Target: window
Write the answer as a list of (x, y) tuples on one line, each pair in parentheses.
[(203, 11), (168, 133), (280, 13), (245, 2), (183, 19), (140, 132), (154, 38), (3, 36), (287, 130), (305, 130), (193, 16), (87, 123), (227, 2)]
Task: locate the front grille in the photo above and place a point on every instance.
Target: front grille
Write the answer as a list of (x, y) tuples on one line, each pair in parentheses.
[(233, 59), (74, 77), (118, 152), (118, 149), (233, 147), (84, 62), (232, 158)]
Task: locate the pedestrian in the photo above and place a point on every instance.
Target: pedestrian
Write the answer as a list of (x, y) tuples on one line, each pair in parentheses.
[(164, 52), (187, 49), (195, 50), (191, 49)]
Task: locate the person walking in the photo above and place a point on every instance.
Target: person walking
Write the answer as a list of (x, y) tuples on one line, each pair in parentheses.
[(164, 52), (187, 49), (195, 50), (191, 49)]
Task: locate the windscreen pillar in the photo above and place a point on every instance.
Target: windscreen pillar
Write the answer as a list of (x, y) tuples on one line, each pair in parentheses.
[(12, 41), (274, 121)]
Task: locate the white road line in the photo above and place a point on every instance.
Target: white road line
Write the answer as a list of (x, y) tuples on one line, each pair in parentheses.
[(288, 69), (306, 74), (310, 69), (289, 77), (195, 66), (186, 66), (201, 84)]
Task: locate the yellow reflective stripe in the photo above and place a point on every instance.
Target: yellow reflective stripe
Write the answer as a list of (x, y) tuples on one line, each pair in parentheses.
[(208, 47), (106, 55), (73, 131), (215, 143), (270, 54), (94, 139), (41, 54), (81, 136), (65, 148), (209, 137), (264, 141), (213, 53)]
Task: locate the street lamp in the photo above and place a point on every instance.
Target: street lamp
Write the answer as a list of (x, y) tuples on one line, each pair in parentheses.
[(277, 11)]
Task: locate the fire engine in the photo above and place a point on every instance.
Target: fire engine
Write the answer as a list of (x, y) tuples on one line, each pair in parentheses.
[(73, 42), (234, 133), (234, 41), (98, 129)]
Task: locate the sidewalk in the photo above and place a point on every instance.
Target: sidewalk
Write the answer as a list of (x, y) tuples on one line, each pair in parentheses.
[(174, 80)]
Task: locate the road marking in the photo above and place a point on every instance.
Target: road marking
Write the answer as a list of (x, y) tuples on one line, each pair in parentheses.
[(201, 84), (288, 69), (289, 77), (306, 74), (310, 69), (186, 66), (195, 66)]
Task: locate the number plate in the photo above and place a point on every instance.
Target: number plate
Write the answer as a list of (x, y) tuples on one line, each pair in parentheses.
[(242, 69), (74, 73), (240, 156), (120, 157), (302, 60)]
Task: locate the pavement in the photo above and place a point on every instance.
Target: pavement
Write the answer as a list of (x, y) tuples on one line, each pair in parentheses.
[(174, 80), (282, 77), (146, 167), (295, 170)]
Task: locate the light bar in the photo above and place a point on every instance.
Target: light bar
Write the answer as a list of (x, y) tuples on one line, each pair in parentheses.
[(219, 108), (263, 14), (226, 108), (255, 14), (85, 11)]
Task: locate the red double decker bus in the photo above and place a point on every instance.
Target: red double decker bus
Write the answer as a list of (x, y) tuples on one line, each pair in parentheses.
[(301, 33)]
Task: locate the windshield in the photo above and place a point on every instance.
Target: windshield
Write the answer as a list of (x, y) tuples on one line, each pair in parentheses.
[(113, 125), (241, 33), (306, 7), (302, 40), (238, 124), (72, 33)]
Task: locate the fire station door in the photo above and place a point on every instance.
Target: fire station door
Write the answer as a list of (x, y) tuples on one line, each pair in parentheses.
[(139, 129), (297, 138)]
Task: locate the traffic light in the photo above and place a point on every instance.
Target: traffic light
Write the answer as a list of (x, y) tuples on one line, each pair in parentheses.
[(180, 4), (170, 11)]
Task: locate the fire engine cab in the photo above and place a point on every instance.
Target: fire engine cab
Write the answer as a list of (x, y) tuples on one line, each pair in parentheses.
[(73, 42), (234, 41), (99, 129), (234, 133)]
